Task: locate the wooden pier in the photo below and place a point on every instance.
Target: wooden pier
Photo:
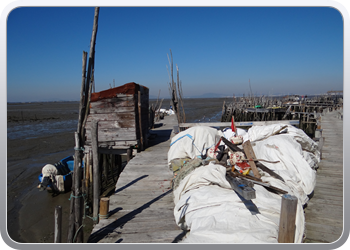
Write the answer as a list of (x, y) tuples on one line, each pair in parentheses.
[(324, 212), (141, 209)]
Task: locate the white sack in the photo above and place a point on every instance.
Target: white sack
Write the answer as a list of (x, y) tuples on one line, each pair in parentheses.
[(256, 133), (183, 146), (208, 207)]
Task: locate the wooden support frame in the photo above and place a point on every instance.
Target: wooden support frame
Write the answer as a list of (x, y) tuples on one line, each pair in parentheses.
[(248, 150)]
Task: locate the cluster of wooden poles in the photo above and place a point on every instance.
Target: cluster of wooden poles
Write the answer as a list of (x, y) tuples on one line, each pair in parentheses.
[(270, 109), (175, 91), (75, 232)]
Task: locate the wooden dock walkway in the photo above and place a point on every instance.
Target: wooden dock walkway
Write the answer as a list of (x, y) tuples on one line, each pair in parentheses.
[(324, 212), (141, 209)]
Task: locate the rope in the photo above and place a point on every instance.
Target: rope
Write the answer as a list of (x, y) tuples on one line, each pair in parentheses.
[(189, 136), (79, 149), (72, 196), (76, 233)]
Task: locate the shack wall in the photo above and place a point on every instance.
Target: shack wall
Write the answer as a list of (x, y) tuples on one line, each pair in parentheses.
[(117, 113)]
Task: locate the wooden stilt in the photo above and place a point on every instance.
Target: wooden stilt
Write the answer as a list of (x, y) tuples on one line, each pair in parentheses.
[(58, 224), (96, 171)]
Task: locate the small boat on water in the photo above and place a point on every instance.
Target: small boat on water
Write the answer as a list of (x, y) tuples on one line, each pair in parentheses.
[(57, 177)]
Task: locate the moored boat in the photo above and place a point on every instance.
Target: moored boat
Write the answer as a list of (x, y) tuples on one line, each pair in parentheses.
[(57, 177)]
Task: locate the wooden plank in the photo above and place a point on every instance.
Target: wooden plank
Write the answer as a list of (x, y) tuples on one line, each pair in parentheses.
[(239, 124), (248, 150), (325, 210), (111, 124), (116, 134), (149, 237), (320, 200), (120, 100), (324, 220), (326, 233), (115, 144), (318, 190), (119, 110), (242, 189), (125, 119)]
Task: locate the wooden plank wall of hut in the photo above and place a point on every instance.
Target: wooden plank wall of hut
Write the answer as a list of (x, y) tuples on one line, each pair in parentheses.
[(120, 120), (116, 121)]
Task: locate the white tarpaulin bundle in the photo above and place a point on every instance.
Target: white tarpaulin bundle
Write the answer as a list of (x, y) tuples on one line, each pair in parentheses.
[(206, 205)]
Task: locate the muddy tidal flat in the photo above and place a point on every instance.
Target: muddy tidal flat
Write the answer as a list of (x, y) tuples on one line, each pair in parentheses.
[(37, 134)]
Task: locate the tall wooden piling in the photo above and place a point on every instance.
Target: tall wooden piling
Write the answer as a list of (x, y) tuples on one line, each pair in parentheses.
[(96, 170)]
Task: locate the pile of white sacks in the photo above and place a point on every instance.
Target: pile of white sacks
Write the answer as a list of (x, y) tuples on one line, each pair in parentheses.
[(205, 203)]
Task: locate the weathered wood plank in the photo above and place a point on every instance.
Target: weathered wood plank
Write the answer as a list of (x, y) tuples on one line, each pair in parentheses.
[(124, 120), (115, 134), (238, 124), (121, 100), (326, 233), (119, 110), (324, 213), (320, 200), (115, 144), (324, 220), (112, 124), (156, 237)]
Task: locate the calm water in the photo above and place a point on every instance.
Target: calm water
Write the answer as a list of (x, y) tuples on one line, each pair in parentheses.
[(200, 109), (28, 131), (196, 110)]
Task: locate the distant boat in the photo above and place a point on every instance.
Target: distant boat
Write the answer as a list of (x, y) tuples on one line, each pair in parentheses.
[(57, 177)]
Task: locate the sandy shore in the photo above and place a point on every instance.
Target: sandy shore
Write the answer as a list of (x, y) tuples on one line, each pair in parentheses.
[(30, 213)]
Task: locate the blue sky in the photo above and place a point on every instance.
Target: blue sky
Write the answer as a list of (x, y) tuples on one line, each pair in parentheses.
[(281, 50)]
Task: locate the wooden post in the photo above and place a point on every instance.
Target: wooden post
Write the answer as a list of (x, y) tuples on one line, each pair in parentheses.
[(58, 224), (105, 168), (119, 164), (87, 173), (78, 201), (140, 120), (96, 170), (71, 225), (128, 154), (91, 65), (82, 90), (104, 208), (286, 231)]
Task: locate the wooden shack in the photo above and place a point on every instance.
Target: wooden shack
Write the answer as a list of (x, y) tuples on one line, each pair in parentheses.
[(122, 115)]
